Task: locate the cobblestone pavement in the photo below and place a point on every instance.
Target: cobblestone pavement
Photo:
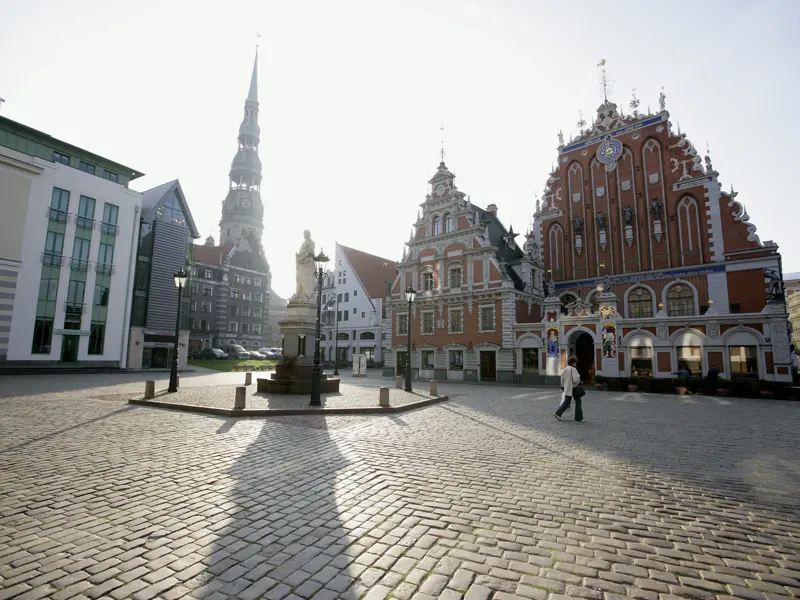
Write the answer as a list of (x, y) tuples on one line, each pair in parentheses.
[(488, 496)]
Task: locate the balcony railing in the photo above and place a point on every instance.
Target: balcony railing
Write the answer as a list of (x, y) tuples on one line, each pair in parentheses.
[(59, 216), (103, 269), (76, 264), (108, 228), (84, 222), (73, 308), (52, 260)]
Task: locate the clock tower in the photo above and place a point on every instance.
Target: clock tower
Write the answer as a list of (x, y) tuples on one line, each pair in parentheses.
[(242, 210)]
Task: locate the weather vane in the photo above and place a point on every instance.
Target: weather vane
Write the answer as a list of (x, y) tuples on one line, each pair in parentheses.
[(441, 129), (634, 104), (258, 37), (605, 81), (581, 120)]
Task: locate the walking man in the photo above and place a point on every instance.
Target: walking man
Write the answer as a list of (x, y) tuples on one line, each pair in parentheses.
[(570, 379)]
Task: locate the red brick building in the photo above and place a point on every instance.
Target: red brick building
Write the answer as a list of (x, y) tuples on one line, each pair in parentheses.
[(647, 266)]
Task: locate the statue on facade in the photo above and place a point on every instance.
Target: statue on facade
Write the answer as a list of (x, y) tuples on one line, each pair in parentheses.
[(655, 209), (551, 288), (389, 287), (774, 285), (560, 138), (628, 215), (577, 224), (304, 277), (601, 221), (662, 100)]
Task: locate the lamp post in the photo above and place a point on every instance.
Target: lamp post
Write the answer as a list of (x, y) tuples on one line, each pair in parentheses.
[(316, 372), (410, 293), (336, 339), (180, 279)]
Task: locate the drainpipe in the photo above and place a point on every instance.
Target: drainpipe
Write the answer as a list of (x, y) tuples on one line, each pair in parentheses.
[(126, 323)]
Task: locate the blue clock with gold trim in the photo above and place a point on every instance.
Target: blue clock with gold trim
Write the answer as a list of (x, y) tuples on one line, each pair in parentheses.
[(608, 152)]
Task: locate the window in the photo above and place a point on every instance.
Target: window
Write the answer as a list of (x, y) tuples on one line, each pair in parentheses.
[(245, 328), (246, 311), (259, 298), (194, 271), (369, 353), (204, 325), (101, 295), (193, 306), (86, 167), (110, 176), (42, 336), (402, 324), (338, 297), (448, 223), (735, 308), (257, 281), (54, 243), (487, 318), (456, 360), (208, 290), (234, 310), (367, 335), (362, 314), (193, 289), (642, 361), (346, 315), (233, 327), (456, 322), (235, 293), (530, 360), (248, 281), (105, 258), (110, 215), (455, 278), (59, 205), (427, 359), (744, 361), (85, 218), (436, 226), (427, 281), (256, 328), (237, 279), (207, 274), (355, 293), (354, 311), (427, 322), (169, 210), (347, 296), (48, 289), (80, 254), (257, 312), (97, 333), (247, 295), (680, 301), (60, 158), (640, 303), (690, 357), (205, 307)]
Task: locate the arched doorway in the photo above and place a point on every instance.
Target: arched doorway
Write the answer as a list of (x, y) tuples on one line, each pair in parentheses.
[(584, 352)]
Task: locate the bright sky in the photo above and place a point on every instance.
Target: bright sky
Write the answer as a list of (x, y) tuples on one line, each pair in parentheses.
[(352, 93)]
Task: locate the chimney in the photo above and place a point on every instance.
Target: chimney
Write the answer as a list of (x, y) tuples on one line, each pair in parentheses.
[(492, 208)]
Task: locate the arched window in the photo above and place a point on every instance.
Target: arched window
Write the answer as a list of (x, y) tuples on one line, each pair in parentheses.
[(243, 344), (680, 301), (343, 336), (448, 223), (566, 300), (640, 303), (367, 335), (436, 226)]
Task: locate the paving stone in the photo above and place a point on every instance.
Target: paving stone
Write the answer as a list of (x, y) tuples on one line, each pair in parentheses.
[(478, 592)]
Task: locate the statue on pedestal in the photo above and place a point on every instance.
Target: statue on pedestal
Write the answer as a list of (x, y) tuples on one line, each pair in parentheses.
[(304, 277)]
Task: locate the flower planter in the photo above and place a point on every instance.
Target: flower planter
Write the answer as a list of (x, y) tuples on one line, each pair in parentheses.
[(633, 388), (723, 392), (681, 390), (767, 394)]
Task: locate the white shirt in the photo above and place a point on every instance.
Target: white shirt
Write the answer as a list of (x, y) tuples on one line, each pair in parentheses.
[(795, 361), (569, 379)]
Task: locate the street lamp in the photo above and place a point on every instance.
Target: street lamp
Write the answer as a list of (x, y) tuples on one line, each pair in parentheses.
[(316, 372), (180, 280), (336, 340), (410, 293)]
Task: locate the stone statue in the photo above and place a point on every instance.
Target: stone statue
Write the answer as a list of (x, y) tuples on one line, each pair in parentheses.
[(389, 287), (662, 100), (775, 286), (655, 209), (551, 288), (601, 221), (577, 224), (304, 277), (560, 138), (628, 215)]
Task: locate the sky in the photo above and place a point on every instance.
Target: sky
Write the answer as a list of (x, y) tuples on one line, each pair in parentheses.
[(352, 94)]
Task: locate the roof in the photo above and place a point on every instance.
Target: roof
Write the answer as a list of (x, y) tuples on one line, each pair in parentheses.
[(151, 197), (497, 232), (372, 271), (791, 276), (44, 137), (212, 255)]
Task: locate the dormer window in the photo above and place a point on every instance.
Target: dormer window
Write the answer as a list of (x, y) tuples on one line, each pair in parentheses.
[(436, 226), (448, 223)]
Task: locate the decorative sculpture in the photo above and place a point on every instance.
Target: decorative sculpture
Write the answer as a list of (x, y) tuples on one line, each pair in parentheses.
[(601, 220), (577, 224), (628, 216), (551, 288), (775, 286), (304, 277), (662, 100), (560, 138)]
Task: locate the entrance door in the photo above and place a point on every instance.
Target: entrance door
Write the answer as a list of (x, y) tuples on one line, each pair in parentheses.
[(584, 352), (488, 372), (69, 348), (401, 363)]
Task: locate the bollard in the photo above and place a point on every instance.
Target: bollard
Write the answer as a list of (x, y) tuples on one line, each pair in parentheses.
[(384, 397), (434, 389), (399, 382), (241, 397), (248, 378), (149, 389)]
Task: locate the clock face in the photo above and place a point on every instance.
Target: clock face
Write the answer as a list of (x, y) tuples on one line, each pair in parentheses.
[(440, 189), (246, 202)]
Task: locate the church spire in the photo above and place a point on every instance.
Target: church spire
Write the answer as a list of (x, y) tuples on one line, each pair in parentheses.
[(252, 96)]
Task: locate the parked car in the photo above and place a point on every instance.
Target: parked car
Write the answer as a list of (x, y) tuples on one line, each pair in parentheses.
[(257, 355), (210, 354), (238, 352), (271, 353)]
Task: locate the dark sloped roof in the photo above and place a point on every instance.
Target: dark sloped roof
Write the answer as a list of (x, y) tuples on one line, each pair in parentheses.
[(371, 270), (510, 255), (151, 197)]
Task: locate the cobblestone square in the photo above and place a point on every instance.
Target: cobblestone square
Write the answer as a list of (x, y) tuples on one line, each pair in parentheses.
[(486, 496)]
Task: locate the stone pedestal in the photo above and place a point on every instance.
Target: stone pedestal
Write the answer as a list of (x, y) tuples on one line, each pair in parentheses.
[(293, 374)]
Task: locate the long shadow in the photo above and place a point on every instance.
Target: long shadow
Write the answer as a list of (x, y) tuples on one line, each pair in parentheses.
[(277, 517)]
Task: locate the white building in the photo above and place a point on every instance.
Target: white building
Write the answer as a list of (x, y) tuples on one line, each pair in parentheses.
[(355, 290), (70, 225)]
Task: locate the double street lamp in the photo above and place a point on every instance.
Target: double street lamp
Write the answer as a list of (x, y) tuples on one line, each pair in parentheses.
[(180, 280), (316, 372), (410, 293)]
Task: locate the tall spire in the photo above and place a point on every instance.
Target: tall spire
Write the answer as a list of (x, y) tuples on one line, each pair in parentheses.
[(252, 96)]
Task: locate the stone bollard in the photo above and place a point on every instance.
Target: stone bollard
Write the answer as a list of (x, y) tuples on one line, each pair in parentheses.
[(399, 382), (241, 397), (248, 378), (434, 388), (149, 389), (384, 397)]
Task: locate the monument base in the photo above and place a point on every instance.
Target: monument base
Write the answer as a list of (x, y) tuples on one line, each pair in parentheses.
[(291, 377)]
